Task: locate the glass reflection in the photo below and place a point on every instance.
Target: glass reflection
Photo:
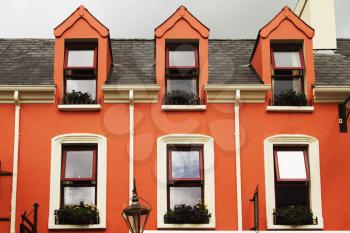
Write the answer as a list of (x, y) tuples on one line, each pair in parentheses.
[(81, 58), (75, 195), (185, 164), (79, 164), (184, 195)]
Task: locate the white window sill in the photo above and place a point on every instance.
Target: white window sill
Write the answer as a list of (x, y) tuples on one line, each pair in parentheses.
[(210, 225), (75, 227), (79, 107), (319, 226), (184, 107), (290, 108)]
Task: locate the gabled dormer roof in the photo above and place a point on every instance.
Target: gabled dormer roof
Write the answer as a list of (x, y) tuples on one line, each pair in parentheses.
[(81, 13), (182, 13), (286, 14)]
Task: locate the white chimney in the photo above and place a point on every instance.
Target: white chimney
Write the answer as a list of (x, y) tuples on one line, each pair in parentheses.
[(320, 15)]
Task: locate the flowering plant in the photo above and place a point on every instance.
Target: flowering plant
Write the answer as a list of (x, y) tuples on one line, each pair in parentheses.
[(197, 214), (77, 214)]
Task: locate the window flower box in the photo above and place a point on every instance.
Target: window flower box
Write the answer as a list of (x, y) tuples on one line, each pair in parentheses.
[(293, 215), (290, 98), (179, 97), (78, 97), (82, 214), (186, 214)]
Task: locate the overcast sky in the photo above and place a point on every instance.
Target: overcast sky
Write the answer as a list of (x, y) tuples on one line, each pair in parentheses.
[(235, 19)]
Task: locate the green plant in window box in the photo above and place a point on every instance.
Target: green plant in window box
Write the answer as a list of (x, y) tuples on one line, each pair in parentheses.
[(293, 215), (182, 214), (81, 214), (78, 97), (290, 98), (180, 97)]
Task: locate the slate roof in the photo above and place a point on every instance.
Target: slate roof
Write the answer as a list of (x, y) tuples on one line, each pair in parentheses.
[(133, 62), (26, 61), (30, 61), (229, 62), (334, 69)]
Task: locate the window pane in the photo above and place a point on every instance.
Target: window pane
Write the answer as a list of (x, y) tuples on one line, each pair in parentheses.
[(75, 195), (296, 194), (185, 164), (182, 84), (85, 86), (184, 195), (282, 84), (182, 58), (79, 164), (80, 58), (291, 165), (287, 59)]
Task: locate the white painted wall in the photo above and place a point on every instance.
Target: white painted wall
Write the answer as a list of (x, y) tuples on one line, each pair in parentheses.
[(320, 15)]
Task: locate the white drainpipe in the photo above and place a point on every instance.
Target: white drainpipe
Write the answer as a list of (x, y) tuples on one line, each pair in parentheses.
[(238, 161), (131, 142), (15, 164)]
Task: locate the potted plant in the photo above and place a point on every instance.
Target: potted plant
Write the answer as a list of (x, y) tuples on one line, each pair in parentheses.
[(181, 214), (293, 215), (81, 214), (290, 98), (179, 97), (78, 97)]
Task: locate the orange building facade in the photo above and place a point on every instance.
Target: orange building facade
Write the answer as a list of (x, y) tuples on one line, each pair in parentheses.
[(189, 118)]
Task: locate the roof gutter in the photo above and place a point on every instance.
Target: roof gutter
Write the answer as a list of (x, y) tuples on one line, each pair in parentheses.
[(238, 161), (15, 163)]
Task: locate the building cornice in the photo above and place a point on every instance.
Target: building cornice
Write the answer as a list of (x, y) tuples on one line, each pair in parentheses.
[(225, 93), (331, 94), (143, 93), (28, 93)]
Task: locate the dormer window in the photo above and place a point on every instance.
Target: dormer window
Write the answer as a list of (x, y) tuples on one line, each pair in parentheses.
[(80, 74), (288, 66), (182, 74)]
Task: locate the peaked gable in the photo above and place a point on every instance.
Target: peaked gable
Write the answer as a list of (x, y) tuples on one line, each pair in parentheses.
[(182, 13), (81, 12), (286, 14)]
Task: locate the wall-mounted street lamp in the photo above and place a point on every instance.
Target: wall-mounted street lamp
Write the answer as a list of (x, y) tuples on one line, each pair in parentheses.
[(136, 215)]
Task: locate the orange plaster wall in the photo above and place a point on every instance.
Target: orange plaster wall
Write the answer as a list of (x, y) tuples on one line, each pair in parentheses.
[(7, 113), (334, 162)]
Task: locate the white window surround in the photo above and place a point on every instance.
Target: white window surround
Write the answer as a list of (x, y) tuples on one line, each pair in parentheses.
[(315, 183), (209, 178), (55, 177), (79, 107), (290, 108), (184, 107)]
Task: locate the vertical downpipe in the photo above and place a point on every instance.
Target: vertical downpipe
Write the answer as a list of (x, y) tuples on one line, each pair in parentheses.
[(238, 161), (131, 142), (15, 163)]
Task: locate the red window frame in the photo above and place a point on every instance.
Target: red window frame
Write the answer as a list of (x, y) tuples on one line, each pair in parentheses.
[(82, 47), (185, 148), (78, 182), (169, 46), (287, 48), (184, 182), (306, 163)]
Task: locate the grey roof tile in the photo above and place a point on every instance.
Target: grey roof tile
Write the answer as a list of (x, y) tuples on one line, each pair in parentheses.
[(133, 62), (229, 62), (26, 61), (334, 69)]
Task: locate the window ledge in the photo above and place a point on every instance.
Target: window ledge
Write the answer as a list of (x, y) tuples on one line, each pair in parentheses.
[(210, 225), (290, 108), (79, 107), (184, 107), (73, 227), (319, 226)]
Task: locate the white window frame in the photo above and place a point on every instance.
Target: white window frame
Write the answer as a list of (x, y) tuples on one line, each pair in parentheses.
[(314, 169), (55, 177), (209, 177)]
